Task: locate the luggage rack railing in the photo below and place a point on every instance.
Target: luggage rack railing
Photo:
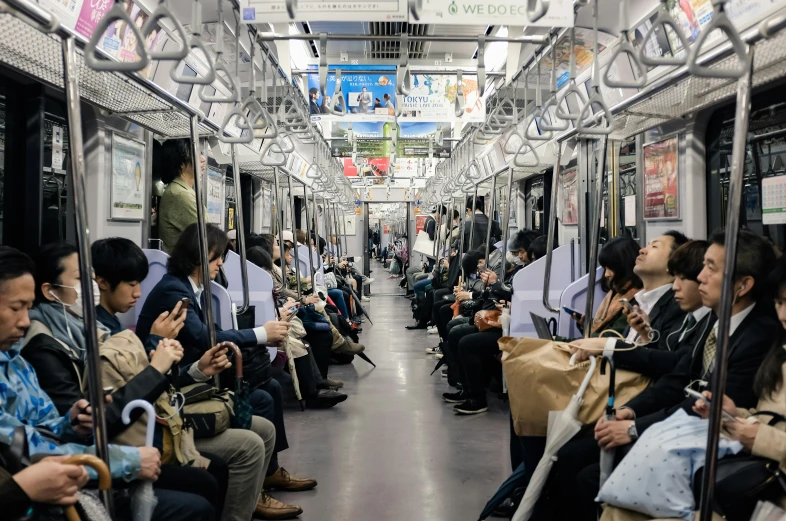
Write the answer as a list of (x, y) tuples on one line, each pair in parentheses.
[(37, 54)]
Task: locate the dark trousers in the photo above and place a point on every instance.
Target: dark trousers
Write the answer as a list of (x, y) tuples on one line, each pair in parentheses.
[(210, 483), (305, 376), (181, 506), (321, 344), (576, 478), (436, 306), (477, 355), (457, 328), (267, 401)]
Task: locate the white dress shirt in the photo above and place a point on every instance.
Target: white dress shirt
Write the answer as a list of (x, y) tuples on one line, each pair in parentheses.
[(259, 332)]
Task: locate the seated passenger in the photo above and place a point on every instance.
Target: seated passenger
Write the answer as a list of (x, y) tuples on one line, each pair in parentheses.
[(184, 280), (24, 404), (752, 328)]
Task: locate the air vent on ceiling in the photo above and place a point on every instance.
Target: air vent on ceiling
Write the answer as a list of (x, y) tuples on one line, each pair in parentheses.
[(389, 49)]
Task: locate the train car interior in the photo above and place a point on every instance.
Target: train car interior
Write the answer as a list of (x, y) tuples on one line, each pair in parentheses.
[(377, 260)]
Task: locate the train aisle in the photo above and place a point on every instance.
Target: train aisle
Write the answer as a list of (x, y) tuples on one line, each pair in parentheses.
[(394, 450)]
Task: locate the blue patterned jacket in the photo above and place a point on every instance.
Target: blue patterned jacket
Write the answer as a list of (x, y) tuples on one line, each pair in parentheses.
[(24, 403)]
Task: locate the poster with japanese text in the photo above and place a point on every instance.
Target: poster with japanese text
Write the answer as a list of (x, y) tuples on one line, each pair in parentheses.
[(661, 185), (128, 193), (215, 197), (569, 202)]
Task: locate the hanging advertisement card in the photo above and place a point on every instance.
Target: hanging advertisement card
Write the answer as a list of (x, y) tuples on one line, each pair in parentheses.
[(377, 168), (367, 97), (273, 11), (372, 139), (215, 196), (127, 192), (420, 223), (510, 12), (661, 185), (433, 97), (569, 202), (68, 11), (773, 200)]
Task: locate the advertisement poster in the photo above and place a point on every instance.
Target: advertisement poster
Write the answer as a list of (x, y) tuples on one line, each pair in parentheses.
[(773, 199), (378, 167), (267, 208), (264, 11), (420, 223), (661, 186), (569, 202), (128, 192), (433, 97), (471, 12), (367, 97), (412, 139), (215, 196)]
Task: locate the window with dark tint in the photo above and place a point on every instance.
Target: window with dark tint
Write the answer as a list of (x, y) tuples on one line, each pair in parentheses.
[(627, 188), (764, 170), (184, 89), (534, 189)]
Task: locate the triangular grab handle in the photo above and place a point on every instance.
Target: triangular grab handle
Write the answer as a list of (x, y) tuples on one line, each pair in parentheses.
[(520, 159), (720, 21), (234, 89), (664, 20), (244, 124), (162, 12), (207, 79), (572, 88), (549, 126), (582, 128), (269, 152), (639, 70), (115, 14)]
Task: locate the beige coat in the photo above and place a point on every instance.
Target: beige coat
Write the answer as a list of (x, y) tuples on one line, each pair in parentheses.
[(176, 212)]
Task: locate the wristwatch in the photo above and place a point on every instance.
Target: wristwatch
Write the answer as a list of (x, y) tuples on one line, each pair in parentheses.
[(632, 432)]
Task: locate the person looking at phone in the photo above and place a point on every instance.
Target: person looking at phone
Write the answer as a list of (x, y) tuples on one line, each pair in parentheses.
[(751, 331)]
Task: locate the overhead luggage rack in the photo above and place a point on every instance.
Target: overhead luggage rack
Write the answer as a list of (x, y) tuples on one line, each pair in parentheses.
[(34, 53), (680, 94)]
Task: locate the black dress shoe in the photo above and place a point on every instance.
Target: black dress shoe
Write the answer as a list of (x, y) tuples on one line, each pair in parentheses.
[(459, 397), (325, 399), (417, 326)]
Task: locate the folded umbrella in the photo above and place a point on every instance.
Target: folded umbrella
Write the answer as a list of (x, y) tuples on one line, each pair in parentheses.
[(505, 490), (563, 425), (143, 499), (607, 456)]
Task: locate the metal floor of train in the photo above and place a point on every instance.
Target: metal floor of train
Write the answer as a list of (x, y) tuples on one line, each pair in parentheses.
[(394, 451)]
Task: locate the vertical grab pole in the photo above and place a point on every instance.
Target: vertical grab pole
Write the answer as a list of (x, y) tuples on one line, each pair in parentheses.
[(727, 288), (240, 230), (344, 228), (296, 259), (308, 240), (328, 228), (204, 254), (339, 246), (92, 359), (552, 230), (472, 219), (506, 222), (280, 218), (600, 173), (461, 240), (493, 194)]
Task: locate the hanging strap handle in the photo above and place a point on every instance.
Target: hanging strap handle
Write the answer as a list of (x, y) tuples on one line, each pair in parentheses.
[(162, 12), (663, 21), (225, 77), (459, 103), (720, 20), (481, 65), (403, 76), (195, 42), (537, 9), (116, 14), (558, 124), (596, 98), (337, 105), (572, 87), (625, 47)]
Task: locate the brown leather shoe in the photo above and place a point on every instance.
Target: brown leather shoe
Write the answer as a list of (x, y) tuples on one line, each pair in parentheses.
[(282, 480), (270, 508)]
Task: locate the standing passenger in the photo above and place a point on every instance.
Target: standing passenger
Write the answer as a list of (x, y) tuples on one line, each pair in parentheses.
[(178, 204)]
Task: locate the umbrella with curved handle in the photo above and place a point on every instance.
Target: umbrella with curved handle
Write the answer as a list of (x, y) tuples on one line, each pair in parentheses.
[(143, 500), (104, 477)]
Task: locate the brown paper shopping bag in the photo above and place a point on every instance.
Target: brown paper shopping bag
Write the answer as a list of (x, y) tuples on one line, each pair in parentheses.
[(540, 379)]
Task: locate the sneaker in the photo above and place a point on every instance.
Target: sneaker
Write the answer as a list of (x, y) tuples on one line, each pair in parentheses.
[(368, 281), (365, 299), (270, 508), (283, 480), (458, 397), (433, 330), (432, 350), (472, 406), (332, 382), (439, 356)]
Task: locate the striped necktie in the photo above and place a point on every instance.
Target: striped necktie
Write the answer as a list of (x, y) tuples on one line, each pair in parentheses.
[(710, 347)]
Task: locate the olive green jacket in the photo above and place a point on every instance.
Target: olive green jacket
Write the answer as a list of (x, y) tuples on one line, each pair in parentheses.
[(177, 211)]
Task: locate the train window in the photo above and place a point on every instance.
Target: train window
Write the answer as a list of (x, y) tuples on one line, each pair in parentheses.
[(534, 204), (204, 106), (183, 92), (627, 188), (764, 168)]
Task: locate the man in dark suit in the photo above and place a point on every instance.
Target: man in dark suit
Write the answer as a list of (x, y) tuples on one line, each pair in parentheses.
[(481, 226), (672, 259), (751, 331)]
